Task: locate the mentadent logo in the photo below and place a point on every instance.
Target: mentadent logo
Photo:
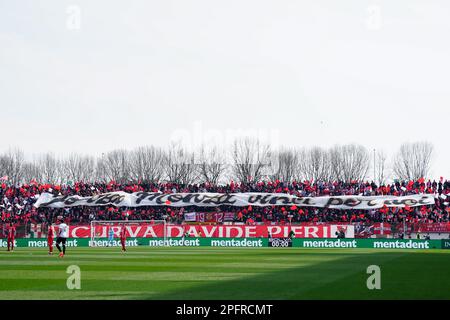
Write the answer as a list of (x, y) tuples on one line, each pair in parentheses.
[(4, 243)]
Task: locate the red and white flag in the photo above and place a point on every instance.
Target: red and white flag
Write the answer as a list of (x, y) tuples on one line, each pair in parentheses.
[(4, 178)]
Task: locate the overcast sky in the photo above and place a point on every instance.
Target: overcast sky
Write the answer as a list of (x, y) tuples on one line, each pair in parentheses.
[(90, 76)]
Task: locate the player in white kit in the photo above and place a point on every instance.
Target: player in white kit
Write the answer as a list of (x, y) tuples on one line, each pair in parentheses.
[(63, 233)]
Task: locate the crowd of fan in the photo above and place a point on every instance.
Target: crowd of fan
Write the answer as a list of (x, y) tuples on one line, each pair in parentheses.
[(17, 202)]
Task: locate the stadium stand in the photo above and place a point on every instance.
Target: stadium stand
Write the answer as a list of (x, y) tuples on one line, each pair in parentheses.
[(17, 202)]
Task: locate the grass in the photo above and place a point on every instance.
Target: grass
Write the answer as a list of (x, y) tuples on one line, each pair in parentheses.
[(225, 273)]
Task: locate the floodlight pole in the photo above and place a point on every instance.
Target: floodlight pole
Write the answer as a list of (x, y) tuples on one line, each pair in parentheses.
[(374, 175), (404, 226)]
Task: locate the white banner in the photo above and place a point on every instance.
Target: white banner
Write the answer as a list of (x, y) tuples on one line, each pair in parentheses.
[(138, 199), (190, 216)]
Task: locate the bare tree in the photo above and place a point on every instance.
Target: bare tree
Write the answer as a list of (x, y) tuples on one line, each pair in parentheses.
[(250, 159), (115, 165), (413, 160), (211, 164), (147, 164), (180, 165), (50, 167), (380, 167), (284, 165), (78, 168), (315, 164), (11, 165), (31, 172), (100, 169), (349, 162)]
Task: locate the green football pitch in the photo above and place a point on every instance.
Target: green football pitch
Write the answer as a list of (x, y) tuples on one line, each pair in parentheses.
[(225, 273)]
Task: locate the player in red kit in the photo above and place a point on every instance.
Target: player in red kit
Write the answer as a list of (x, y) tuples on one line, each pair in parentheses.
[(11, 236), (123, 238), (50, 236)]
